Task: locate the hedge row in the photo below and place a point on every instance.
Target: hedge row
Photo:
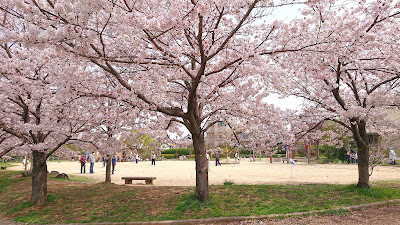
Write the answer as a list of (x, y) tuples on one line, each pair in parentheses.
[(180, 151), (169, 156)]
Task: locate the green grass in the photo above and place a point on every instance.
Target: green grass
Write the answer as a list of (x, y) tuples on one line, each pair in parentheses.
[(79, 202), (335, 212), (8, 164), (75, 178)]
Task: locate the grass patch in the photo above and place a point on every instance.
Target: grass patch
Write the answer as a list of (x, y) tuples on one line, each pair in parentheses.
[(335, 212), (7, 164), (74, 178), (77, 201), (229, 182)]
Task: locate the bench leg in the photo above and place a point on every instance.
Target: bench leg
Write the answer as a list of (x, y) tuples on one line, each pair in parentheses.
[(128, 181), (149, 181)]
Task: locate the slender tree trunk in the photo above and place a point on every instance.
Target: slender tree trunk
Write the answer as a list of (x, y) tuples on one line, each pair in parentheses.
[(39, 177), (108, 169), (328, 152), (201, 168), (317, 150)]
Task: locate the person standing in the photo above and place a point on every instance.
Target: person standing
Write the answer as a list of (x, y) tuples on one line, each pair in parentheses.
[(208, 161), (352, 155), (104, 161), (25, 162), (217, 159), (83, 163), (392, 156), (113, 163), (91, 161), (153, 159), (137, 158)]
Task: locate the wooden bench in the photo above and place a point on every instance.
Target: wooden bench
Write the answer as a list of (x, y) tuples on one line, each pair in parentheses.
[(128, 180)]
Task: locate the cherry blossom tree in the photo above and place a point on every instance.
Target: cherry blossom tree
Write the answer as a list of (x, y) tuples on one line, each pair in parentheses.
[(39, 112), (193, 61), (35, 116), (348, 68)]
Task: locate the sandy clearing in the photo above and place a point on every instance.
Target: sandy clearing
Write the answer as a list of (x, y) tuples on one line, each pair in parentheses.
[(182, 173)]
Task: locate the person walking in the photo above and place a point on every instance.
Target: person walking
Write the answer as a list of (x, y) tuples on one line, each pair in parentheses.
[(137, 158), (217, 159), (153, 159), (91, 161), (83, 163), (113, 163)]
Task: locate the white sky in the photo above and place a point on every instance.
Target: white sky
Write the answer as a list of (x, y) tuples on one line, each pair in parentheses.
[(291, 102)]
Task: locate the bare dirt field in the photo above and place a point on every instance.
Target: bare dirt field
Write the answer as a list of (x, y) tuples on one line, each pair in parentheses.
[(182, 173)]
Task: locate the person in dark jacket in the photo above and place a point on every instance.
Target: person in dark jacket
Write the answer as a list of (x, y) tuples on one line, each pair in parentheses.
[(113, 163)]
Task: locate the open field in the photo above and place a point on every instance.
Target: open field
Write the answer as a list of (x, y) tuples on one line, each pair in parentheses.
[(182, 173), (81, 202)]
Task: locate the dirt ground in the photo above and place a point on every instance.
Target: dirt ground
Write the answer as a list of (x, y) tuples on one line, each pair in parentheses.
[(182, 173), (387, 215)]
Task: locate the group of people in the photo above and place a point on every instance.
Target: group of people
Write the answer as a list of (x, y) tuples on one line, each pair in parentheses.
[(352, 156), (91, 160)]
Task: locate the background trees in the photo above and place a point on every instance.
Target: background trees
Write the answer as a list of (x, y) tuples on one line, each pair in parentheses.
[(348, 73)]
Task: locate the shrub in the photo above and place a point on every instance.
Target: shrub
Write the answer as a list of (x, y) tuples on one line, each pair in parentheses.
[(229, 182), (169, 156), (180, 151)]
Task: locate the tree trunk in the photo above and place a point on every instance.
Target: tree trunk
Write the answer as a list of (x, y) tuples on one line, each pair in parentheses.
[(39, 177), (361, 139), (309, 153), (363, 168), (201, 168), (108, 169), (317, 149), (328, 152)]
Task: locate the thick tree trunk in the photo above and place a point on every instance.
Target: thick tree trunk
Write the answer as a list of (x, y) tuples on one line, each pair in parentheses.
[(363, 167), (201, 168), (108, 169), (361, 139), (39, 177)]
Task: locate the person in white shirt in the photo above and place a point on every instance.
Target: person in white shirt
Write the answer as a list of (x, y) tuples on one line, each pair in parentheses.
[(25, 162), (153, 159), (91, 161)]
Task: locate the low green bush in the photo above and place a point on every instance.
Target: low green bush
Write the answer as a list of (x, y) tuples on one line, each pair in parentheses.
[(180, 151), (169, 156)]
